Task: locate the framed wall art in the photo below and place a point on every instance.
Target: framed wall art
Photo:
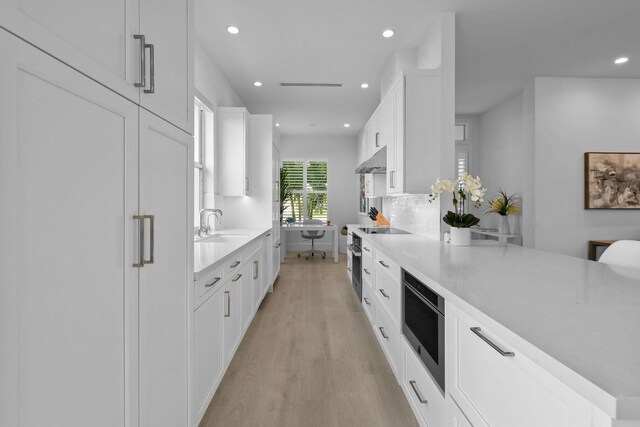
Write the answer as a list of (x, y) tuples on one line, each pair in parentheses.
[(612, 180)]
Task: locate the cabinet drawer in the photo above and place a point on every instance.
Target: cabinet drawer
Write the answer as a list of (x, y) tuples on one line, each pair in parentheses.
[(368, 270), (420, 388), (389, 293), (497, 385), (233, 264), (368, 302), (384, 264), (388, 334), (208, 283)]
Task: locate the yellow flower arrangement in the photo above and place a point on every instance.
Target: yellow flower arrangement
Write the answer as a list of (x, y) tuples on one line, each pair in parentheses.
[(504, 204)]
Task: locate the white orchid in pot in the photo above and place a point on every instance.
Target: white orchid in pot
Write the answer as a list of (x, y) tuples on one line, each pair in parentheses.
[(462, 189)]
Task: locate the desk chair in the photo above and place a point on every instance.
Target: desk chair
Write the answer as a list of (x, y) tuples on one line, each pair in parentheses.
[(313, 235), (623, 253)]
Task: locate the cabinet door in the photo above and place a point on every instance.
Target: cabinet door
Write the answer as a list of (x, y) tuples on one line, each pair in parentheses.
[(232, 133), (165, 166), (395, 149), (94, 37), (246, 299), (68, 179), (208, 348), (383, 124), (256, 280), (232, 325), (392, 139), (167, 25)]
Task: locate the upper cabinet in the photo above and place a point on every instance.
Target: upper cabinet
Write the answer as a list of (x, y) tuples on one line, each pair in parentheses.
[(414, 129), (141, 49), (233, 152)]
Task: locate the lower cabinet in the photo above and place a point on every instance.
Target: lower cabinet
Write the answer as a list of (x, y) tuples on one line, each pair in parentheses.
[(232, 331), (425, 398), (496, 384), (209, 355), (256, 280), (246, 299), (388, 333)]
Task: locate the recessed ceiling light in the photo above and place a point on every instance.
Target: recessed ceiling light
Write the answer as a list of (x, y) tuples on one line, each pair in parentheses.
[(312, 125), (233, 30), (277, 124), (258, 84), (364, 85), (621, 60), (388, 33), (347, 125)]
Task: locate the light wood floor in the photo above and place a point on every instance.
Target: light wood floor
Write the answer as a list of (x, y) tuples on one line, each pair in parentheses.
[(309, 358)]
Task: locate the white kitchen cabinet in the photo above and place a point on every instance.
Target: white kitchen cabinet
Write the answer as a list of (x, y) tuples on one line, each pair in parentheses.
[(97, 38), (232, 331), (233, 168), (413, 147), (496, 384), (375, 185), (209, 359), (424, 396), (82, 326), (165, 161), (388, 333), (246, 295)]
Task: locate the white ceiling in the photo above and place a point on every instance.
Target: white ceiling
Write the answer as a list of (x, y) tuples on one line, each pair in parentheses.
[(499, 44)]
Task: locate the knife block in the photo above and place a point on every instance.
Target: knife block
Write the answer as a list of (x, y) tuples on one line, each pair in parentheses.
[(380, 221)]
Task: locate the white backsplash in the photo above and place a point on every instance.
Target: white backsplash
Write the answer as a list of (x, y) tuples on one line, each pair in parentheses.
[(414, 213)]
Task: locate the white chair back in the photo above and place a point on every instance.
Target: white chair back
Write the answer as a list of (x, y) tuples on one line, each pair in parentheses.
[(313, 233), (623, 253)]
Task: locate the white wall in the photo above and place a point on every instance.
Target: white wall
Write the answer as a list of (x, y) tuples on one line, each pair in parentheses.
[(574, 116), (534, 144), (501, 156), (340, 153)]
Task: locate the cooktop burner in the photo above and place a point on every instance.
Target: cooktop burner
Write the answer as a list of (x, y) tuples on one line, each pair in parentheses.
[(383, 230)]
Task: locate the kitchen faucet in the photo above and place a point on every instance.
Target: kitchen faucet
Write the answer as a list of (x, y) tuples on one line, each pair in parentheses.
[(205, 229)]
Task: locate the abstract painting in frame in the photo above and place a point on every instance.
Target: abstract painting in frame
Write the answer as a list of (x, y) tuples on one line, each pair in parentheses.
[(612, 180)]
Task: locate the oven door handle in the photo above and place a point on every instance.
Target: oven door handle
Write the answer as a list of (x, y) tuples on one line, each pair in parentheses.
[(355, 250)]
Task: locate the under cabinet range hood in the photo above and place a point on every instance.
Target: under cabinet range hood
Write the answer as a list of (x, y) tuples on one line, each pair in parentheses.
[(375, 164)]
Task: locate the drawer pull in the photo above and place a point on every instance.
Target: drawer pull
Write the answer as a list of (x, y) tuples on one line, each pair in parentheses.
[(228, 311), (366, 271), (235, 264), (216, 280), (384, 294), (476, 330), (415, 390), (382, 263), (235, 279), (366, 300), (385, 336), (366, 249)]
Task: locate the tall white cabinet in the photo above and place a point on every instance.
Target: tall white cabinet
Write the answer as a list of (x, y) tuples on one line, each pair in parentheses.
[(87, 338)]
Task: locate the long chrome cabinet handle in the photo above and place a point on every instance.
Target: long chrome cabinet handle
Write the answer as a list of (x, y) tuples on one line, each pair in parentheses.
[(235, 279), (415, 390), (382, 263), (476, 330), (384, 294), (255, 270), (366, 271), (140, 220), (143, 61), (382, 332), (152, 72), (215, 280), (235, 264), (228, 308)]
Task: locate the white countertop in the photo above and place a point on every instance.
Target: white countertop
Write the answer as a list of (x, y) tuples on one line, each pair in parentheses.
[(583, 316), (207, 253)]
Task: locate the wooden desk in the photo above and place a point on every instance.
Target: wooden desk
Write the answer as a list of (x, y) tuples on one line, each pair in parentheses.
[(593, 245), (300, 227)]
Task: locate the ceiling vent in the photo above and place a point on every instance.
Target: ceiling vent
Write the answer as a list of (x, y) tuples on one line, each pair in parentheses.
[(311, 84)]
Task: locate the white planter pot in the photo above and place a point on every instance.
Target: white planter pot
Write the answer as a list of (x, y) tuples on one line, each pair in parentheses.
[(460, 236)]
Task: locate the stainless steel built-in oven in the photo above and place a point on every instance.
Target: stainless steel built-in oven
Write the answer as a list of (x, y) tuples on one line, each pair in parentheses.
[(356, 264), (423, 324)]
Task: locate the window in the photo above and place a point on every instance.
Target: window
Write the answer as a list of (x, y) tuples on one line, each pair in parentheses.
[(202, 155), (307, 183)]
